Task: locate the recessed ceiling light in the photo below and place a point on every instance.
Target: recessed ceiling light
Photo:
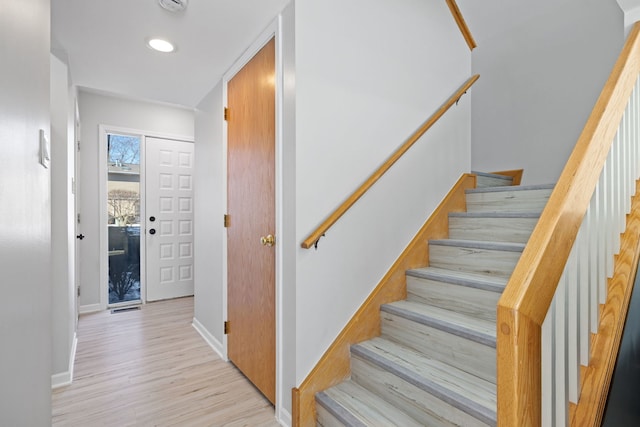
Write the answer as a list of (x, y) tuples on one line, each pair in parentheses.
[(173, 5), (160, 45)]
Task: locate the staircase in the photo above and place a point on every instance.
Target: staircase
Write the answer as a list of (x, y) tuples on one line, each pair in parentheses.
[(435, 361)]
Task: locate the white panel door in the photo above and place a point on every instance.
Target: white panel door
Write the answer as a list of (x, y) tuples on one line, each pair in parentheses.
[(169, 218)]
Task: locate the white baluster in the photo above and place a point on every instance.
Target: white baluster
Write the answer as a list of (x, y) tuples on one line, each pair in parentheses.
[(573, 324), (609, 215), (602, 238), (561, 377), (594, 258), (624, 158), (548, 366), (584, 284), (615, 192), (635, 158), (633, 142)]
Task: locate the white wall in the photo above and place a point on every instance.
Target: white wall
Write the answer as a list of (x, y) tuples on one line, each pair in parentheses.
[(62, 230), (208, 211), (96, 109), (542, 66), (631, 9), (368, 73), (210, 205), (25, 207)]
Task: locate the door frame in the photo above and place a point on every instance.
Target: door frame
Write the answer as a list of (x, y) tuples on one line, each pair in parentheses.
[(273, 31), (77, 226), (103, 239)]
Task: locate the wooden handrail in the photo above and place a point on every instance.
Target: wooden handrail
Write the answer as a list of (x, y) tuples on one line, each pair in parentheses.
[(527, 297), (344, 207), (462, 24)]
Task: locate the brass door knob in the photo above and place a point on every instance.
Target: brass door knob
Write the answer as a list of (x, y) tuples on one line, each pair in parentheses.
[(268, 240)]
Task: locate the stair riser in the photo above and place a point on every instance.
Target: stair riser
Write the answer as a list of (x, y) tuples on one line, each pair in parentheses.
[(416, 402), (508, 201), (485, 261), (325, 419), (469, 356), (474, 302), (515, 230), (488, 181)]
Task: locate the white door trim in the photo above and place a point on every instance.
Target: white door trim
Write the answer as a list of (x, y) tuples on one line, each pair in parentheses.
[(273, 30), (103, 130)]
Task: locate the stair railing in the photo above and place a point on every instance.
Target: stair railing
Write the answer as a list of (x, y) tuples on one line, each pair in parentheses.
[(313, 238), (462, 24), (550, 306)]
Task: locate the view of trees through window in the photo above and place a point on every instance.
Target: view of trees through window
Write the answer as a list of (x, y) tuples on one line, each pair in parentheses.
[(123, 150), (123, 207)]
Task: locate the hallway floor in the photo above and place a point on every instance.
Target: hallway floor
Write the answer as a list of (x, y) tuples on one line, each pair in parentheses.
[(149, 367)]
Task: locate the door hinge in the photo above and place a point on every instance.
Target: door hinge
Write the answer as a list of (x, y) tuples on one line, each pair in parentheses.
[(78, 145), (227, 220), (78, 218), (78, 290), (226, 327), (226, 113)]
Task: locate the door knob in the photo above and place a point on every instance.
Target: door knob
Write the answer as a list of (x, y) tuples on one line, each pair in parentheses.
[(152, 231), (80, 236), (268, 240)]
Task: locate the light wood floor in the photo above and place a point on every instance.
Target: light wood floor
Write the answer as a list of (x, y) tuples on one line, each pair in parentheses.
[(149, 367)]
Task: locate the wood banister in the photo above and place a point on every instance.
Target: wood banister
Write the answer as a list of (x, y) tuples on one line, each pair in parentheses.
[(462, 24), (344, 207), (529, 292)]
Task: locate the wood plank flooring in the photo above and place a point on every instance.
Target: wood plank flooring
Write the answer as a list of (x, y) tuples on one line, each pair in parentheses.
[(149, 367)]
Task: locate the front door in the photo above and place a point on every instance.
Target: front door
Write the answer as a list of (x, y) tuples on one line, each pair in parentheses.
[(251, 210), (168, 218)]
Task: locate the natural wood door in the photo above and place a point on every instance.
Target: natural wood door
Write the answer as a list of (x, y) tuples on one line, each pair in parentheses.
[(251, 208)]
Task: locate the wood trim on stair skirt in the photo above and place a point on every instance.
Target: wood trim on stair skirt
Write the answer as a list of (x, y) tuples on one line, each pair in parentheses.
[(515, 174), (606, 343), (334, 365)]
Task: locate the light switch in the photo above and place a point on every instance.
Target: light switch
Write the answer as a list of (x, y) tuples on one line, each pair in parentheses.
[(45, 149)]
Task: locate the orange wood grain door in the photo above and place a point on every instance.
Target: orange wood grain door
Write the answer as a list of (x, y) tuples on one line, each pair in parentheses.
[(251, 208)]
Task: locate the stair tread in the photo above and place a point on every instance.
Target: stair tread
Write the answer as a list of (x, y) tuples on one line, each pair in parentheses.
[(480, 244), (494, 214), (462, 278), (469, 327), (510, 188), (366, 407), (462, 390)]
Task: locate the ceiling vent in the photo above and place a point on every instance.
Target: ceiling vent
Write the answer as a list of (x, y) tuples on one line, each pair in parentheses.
[(173, 5)]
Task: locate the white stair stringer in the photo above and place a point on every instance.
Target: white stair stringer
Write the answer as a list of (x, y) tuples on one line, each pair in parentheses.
[(435, 361)]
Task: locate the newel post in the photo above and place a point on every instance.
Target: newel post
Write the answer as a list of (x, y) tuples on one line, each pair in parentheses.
[(519, 359)]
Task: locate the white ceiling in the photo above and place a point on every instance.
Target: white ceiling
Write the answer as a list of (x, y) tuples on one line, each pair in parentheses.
[(105, 44)]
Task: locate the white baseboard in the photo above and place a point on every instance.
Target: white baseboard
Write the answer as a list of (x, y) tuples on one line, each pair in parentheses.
[(65, 378), (210, 339), (89, 308), (285, 417)]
